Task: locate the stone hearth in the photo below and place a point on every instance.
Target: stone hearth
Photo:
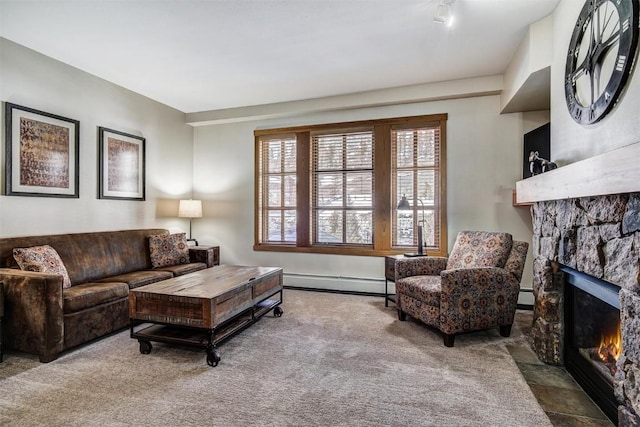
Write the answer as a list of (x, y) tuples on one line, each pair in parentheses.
[(599, 236)]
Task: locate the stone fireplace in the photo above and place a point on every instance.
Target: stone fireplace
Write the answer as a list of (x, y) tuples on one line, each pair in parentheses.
[(598, 236)]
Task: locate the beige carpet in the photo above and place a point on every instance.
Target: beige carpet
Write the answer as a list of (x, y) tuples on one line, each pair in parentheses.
[(330, 360)]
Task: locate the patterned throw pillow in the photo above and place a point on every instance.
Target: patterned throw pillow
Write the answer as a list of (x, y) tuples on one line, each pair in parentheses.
[(43, 259), (480, 249), (168, 249)]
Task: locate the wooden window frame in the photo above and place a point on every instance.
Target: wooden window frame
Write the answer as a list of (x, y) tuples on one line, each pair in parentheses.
[(384, 206)]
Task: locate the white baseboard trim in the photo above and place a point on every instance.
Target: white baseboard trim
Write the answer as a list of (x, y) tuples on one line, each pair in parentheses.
[(335, 283), (359, 284)]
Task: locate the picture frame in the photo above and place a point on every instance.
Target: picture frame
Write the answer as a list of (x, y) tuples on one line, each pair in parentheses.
[(42, 153), (121, 166)]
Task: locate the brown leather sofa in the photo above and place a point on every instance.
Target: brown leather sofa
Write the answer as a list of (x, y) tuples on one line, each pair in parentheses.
[(43, 318)]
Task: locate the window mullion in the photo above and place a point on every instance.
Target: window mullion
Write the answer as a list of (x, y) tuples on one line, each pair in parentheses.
[(383, 206), (303, 190)]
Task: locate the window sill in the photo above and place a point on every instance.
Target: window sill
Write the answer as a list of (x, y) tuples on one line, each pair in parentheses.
[(339, 250)]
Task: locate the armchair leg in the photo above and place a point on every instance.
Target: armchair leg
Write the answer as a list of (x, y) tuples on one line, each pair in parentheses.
[(505, 330), (448, 339), (402, 316)]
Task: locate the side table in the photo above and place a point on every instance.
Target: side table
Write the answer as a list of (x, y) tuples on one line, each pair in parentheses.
[(209, 255), (390, 276)]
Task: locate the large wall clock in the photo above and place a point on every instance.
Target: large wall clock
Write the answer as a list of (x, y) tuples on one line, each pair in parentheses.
[(600, 58)]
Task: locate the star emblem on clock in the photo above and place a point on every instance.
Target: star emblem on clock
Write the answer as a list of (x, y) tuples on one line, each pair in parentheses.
[(600, 58)]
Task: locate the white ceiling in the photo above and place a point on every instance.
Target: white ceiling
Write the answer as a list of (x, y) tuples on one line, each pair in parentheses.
[(197, 55)]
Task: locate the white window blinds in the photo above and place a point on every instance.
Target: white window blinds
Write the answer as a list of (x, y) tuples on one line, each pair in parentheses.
[(342, 183), (277, 190)]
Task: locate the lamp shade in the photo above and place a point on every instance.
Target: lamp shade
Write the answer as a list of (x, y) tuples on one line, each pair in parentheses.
[(404, 205), (190, 209)]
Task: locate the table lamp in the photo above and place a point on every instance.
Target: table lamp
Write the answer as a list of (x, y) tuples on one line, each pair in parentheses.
[(404, 205), (190, 209)]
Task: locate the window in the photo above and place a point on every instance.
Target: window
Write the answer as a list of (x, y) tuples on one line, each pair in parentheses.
[(278, 190), (416, 173), (335, 188), (342, 183)]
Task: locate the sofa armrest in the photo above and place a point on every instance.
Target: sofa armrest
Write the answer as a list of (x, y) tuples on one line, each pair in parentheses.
[(473, 296), (33, 312), (419, 266), (209, 255)]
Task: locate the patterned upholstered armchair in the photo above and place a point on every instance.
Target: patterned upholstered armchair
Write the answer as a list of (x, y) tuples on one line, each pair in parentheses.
[(475, 288)]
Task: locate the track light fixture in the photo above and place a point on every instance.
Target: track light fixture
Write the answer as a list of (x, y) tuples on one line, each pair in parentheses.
[(444, 13)]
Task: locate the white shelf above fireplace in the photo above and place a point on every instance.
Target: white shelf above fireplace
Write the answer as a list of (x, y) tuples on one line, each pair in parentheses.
[(615, 172)]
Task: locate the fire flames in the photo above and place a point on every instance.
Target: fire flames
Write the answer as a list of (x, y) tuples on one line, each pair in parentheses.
[(610, 346)]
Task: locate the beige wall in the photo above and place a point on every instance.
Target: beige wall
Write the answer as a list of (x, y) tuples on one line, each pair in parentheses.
[(571, 141), (484, 160), (36, 81), (484, 151), (527, 73)]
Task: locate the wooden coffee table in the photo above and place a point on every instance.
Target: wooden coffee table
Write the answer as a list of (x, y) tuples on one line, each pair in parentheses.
[(205, 307)]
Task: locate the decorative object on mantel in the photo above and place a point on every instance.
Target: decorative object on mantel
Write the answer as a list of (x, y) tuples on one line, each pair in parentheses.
[(600, 58), (538, 165), (190, 209), (538, 139)]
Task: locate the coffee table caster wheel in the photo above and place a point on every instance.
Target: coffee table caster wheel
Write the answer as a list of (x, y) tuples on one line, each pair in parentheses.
[(145, 347), (277, 312), (213, 357)]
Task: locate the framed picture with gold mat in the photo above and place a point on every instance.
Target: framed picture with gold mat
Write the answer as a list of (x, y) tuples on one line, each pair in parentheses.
[(121, 165), (42, 153)]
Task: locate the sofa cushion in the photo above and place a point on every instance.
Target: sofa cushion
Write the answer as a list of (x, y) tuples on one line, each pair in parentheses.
[(139, 278), (480, 249), (43, 259), (89, 295), (168, 249), (180, 269), (421, 288)]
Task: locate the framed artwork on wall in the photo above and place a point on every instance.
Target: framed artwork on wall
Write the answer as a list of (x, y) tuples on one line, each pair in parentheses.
[(121, 165), (42, 153)]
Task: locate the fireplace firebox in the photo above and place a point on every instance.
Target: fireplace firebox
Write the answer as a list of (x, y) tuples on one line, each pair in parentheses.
[(592, 336)]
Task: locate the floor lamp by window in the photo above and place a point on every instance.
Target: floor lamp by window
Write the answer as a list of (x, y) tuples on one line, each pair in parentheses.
[(190, 209), (404, 205)]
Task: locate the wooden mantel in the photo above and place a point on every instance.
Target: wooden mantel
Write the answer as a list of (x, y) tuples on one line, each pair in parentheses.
[(615, 172)]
